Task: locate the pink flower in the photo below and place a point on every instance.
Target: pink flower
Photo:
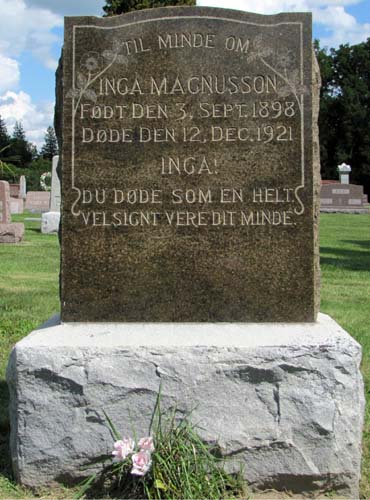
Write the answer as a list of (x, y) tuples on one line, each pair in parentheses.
[(146, 444), (141, 463), (122, 449)]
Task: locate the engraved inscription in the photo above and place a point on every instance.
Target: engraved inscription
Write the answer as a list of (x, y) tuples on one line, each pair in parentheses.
[(119, 106), (194, 85), (340, 191), (189, 165), (183, 40)]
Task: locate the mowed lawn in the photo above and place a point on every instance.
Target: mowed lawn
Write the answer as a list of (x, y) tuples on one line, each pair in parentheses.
[(29, 295), (345, 295), (29, 275)]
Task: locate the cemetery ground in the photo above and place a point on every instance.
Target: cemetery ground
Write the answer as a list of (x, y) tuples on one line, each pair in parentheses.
[(29, 296)]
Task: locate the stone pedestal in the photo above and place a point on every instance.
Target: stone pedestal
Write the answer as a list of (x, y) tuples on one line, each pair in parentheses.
[(12, 232), (285, 399)]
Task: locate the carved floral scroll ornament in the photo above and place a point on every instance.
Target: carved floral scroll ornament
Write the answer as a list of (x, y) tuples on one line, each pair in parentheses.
[(92, 66), (284, 69)]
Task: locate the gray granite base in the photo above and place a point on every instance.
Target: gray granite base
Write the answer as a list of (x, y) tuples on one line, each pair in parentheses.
[(286, 400)]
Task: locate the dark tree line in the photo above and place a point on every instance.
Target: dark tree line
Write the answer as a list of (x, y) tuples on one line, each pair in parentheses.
[(50, 147), (20, 157), (114, 7), (345, 111), (15, 148), (18, 151)]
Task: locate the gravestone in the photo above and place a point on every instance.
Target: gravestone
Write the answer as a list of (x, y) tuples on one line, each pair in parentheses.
[(22, 187), (190, 195), (14, 190), (345, 198), (50, 220), (55, 187), (5, 216), (38, 201), (9, 232), (16, 205), (189, 183), (342, 196), (16, 202)]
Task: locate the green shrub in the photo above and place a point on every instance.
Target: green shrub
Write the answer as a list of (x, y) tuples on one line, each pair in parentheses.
[(32, 173)]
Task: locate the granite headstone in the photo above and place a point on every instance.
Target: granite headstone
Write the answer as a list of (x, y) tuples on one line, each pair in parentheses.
[(55, 187), (22, 187), (9, 232), (38, 201), (16, 196), (5, 216), (346, 197), (190, 167), (16, 205), (14, 190), (50, 220)]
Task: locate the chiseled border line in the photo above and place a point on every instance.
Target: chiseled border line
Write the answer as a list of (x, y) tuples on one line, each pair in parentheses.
[(214, 18)]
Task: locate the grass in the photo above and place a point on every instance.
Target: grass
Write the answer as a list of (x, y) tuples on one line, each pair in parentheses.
[(345, 295), (29, 296)]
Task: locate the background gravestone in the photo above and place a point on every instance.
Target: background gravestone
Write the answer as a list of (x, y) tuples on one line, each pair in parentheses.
[(5, 216), (17, 195), (14, 190), (9, 232), (189, 186), (342, 196), (55, 187), (16, 205), (16, 202), (37, 201), (50, 220), (22, 187)]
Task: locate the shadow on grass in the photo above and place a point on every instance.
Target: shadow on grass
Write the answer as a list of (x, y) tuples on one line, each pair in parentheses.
[(360, 243), (350, 259), (5, 460)]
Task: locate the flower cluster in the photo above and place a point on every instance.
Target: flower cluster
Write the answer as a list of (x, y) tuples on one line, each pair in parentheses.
[(45, 176), (91, 61), (141, 460)]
